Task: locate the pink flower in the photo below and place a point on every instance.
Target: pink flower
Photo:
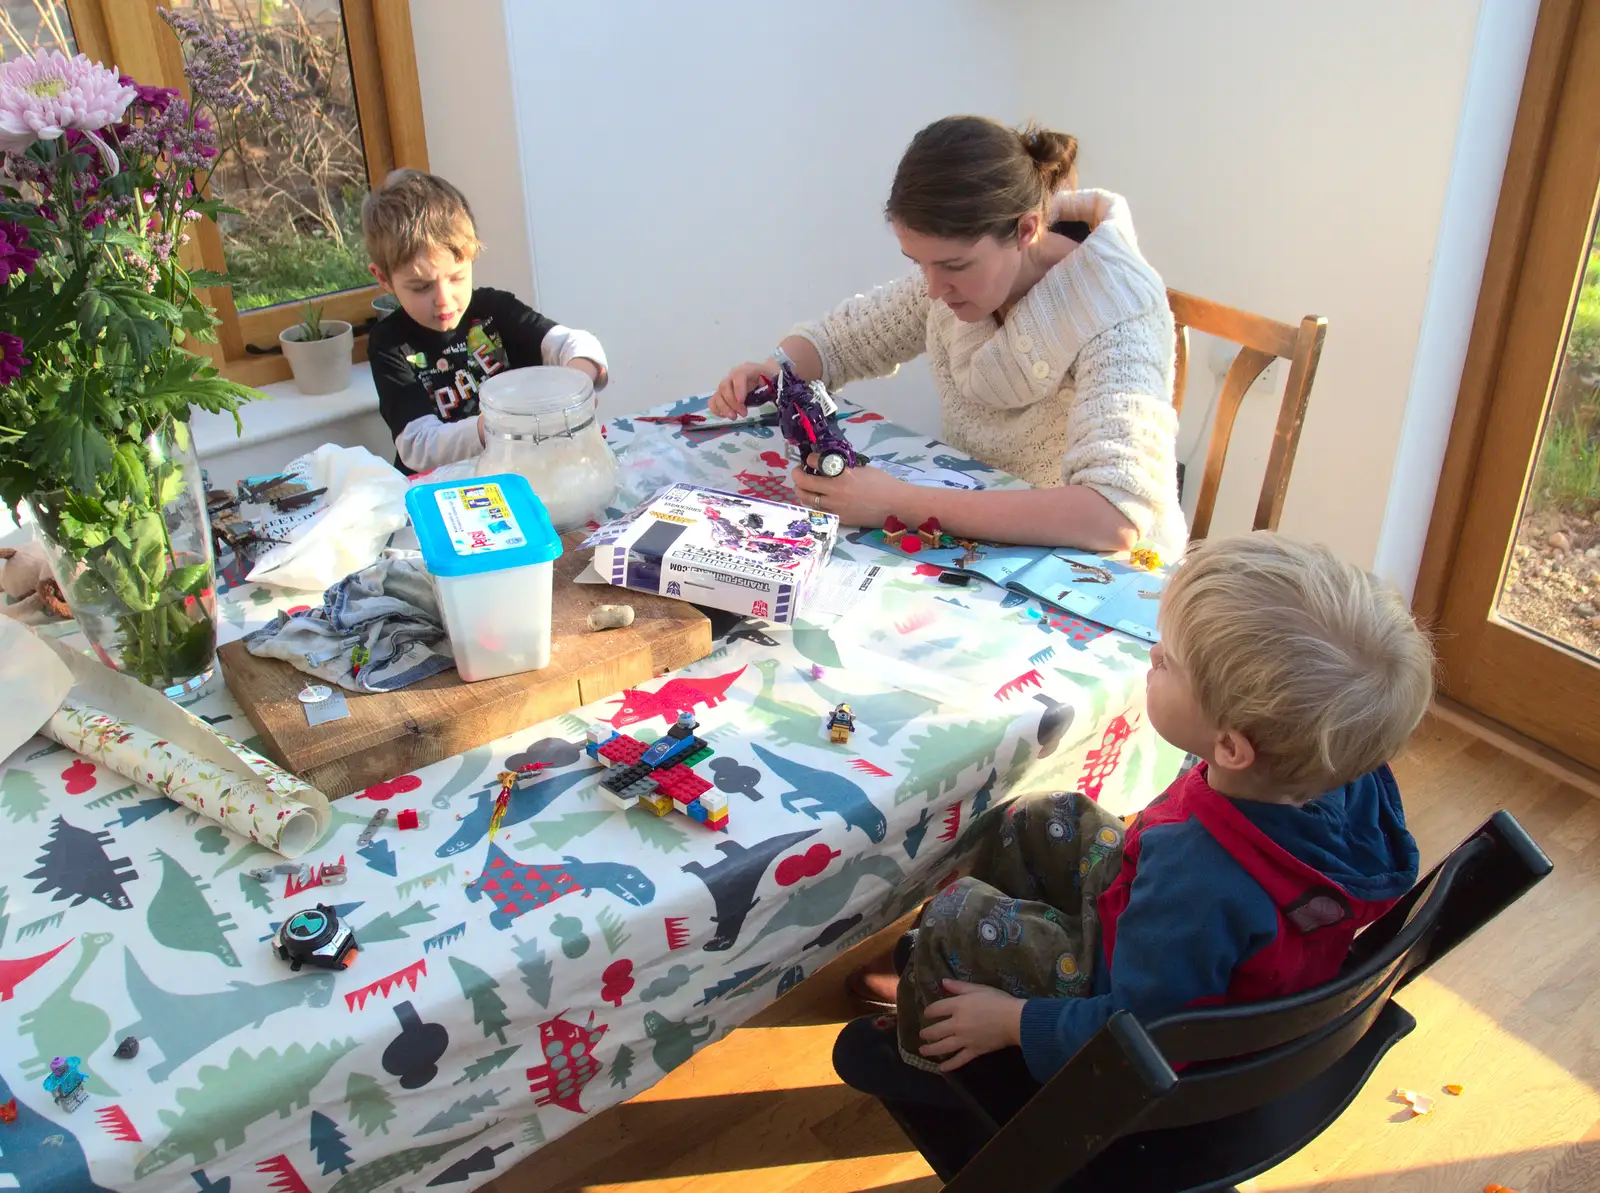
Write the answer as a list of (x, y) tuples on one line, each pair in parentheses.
[(16, 255), (12, 361), (43, 96)]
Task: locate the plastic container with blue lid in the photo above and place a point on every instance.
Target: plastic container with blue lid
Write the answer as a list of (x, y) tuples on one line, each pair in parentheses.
[(490, 548)]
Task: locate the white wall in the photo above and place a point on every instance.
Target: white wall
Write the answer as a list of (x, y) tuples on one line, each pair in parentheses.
[(688, 181), (1291, 159), (1499, 59), (465, 71), (700, 177)]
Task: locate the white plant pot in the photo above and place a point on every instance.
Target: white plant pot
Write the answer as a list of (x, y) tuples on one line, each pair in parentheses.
[(320, 366)]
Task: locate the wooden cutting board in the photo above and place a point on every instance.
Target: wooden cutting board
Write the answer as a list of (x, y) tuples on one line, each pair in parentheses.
[(391, 733)]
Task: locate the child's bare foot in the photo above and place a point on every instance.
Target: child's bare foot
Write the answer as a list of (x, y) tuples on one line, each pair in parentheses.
[(876, 983)]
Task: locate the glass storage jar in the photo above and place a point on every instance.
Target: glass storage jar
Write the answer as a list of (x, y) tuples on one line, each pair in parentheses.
[(543, 422)]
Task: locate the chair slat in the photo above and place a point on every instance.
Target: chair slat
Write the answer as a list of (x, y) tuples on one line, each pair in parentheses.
[(1242, 373)]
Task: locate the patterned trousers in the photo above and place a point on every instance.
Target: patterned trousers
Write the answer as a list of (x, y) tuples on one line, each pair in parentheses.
[(1025, 921)]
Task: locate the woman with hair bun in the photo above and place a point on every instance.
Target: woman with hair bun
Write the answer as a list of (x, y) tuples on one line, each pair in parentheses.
[(1050, 341)]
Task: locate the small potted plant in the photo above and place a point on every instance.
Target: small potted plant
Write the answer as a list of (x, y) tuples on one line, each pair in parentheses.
[(319, 352)]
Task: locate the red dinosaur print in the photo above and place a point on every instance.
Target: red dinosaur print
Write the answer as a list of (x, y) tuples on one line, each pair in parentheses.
[(79, 777), (768, 488), (563, 1087), (868, 768), (673, 697), (866, 416), (1098, 764), (14, 973)]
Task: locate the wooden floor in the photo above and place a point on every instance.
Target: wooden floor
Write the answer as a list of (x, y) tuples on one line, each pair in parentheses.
[(1513, 1016)]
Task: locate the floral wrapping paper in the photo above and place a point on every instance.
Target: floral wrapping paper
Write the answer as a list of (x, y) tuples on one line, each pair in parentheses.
[(268, 807)]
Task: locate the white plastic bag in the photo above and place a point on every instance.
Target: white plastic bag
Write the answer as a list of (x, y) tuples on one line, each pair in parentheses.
[(366, 503)]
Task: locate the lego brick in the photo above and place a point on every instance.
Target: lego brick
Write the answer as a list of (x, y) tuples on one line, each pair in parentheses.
[(599, 734), (714, 802), (657, 803), (618, 801), (700, 754), (694, 811), (719, 823), (622, 749), (681, 783)]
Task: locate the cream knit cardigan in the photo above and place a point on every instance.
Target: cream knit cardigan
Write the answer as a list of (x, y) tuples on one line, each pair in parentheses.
[(1074, 388)]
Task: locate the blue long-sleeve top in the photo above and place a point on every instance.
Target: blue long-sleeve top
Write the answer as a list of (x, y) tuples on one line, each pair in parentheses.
[(1194, 914)]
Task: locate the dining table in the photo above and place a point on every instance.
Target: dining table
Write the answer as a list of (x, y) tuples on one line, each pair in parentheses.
[(509, 984)]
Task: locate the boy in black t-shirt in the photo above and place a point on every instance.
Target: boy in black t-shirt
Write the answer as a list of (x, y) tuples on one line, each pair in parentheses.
[(429, 357)]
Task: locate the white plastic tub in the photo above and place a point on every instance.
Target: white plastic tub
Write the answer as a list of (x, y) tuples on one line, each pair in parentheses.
[(490, 547)]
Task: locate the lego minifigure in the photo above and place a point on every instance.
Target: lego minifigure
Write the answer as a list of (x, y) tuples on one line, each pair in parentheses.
[(65, 1083), (841, 723)]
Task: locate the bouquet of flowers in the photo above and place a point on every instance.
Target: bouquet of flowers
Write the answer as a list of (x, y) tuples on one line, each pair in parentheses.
[(99, 317)]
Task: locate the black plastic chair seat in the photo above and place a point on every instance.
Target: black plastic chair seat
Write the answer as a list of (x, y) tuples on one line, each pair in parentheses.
[(1204, 1099), (1217, 1155)]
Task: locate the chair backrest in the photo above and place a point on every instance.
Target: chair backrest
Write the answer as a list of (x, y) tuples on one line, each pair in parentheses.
[(1260, 341), (1237, 1057)]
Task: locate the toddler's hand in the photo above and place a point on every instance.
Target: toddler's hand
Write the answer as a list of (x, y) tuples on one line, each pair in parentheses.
[(588, 368), (483, 439), (728, 401), (978, 1019)]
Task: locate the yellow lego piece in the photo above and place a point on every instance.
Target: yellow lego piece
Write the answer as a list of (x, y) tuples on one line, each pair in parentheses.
[(657, 803)]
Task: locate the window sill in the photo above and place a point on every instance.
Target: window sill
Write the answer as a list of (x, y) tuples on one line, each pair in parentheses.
[(284, 413)]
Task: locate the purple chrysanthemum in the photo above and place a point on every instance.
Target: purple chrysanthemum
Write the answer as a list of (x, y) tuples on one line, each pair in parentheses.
[(12, 360), (16, 254), (43, 96)]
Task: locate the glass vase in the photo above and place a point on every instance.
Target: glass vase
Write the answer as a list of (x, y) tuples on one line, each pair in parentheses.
[(141, 582)]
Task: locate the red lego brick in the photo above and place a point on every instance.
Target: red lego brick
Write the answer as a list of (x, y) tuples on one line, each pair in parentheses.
[(622, 749), (681, 783)]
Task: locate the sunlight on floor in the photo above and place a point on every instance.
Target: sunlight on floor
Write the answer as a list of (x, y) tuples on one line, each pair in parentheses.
[(1515, 1099)]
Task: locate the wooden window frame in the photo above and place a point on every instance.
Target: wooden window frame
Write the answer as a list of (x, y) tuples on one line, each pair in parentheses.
[(383, 70), (1519, 334)]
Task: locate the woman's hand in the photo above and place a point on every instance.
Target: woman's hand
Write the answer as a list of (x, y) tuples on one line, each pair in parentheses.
[(977, 1020), (728, 401), (863, 496)]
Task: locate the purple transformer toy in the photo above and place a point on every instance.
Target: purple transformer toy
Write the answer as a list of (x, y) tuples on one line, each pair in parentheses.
[(804, 408)]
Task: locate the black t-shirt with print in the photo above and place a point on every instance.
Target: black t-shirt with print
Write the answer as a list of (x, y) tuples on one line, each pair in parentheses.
[(418, 371)]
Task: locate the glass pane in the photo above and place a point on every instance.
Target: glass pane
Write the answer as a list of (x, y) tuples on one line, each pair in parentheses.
[(29, 25), (1553, 583), (300, 185)]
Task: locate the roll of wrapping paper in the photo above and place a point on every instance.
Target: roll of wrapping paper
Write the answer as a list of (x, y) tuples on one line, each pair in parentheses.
[(256, 799)]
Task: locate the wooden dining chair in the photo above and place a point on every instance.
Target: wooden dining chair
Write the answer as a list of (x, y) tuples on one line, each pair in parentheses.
[(1261, 341)]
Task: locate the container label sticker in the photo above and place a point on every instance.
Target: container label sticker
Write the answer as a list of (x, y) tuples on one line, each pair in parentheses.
[(478, 519)]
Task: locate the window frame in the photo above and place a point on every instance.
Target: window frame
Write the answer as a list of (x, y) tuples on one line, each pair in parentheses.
[(383, 71)]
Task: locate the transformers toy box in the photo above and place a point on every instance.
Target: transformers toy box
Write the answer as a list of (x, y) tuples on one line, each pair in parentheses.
[(748, 556)]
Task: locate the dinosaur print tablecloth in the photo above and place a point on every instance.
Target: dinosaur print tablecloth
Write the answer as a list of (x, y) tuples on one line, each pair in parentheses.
[(478, 1023)]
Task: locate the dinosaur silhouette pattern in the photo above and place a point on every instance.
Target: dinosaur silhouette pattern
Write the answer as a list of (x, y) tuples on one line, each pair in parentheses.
[(733, 882), (675, 1042), (39, 1155), (182, 1026), (180, 918), (673, 697), (814, 792), (525, 804), (74, 865), (517, 888), (62, 1025)]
